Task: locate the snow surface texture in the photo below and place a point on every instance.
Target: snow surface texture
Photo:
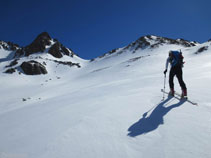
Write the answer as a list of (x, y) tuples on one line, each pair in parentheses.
[(109, 108)]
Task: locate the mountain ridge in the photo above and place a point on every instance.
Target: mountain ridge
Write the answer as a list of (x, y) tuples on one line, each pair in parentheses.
[(44, 45), (150, 41), (44, 39)]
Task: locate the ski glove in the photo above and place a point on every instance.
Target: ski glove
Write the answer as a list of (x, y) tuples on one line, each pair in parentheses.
[(165, 71)]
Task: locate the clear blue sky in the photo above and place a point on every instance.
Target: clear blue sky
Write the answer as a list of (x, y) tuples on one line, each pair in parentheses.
[(93, 27)]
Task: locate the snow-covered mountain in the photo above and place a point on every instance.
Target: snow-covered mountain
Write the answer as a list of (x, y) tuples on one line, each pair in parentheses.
[(37, 57), (106, 107)]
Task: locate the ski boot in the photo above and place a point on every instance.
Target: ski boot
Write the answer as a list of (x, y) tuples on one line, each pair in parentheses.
[(184, 93), (171, 93)]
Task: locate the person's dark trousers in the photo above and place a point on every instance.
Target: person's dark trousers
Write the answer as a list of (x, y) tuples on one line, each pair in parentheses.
[(176, 70)]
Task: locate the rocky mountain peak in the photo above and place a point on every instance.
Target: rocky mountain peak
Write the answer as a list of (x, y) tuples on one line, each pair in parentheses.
[(42, 39), (8, 46), (157, 41), (41, 42), (43, 36), (151, 41), (35, 65), (38, 45)]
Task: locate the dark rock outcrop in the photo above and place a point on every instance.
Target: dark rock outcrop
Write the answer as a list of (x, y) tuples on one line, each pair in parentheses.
[(68, 63), (110, 52), (33, 68), (9, 46), (19, 52), (58, 50), (202, 49), (66, 51), (141, 43), (10, 71), (164, 40), (38, 45), (55, 50)]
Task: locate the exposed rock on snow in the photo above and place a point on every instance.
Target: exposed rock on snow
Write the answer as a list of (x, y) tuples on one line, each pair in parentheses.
[(202, 49), (38, 45), (163, 40), (58, 50), (55, 50), (33, 68), (69, 63), (8, 46), (10, 71)]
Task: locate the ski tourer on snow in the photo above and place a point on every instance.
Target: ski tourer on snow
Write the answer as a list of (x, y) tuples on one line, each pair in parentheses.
[(175, 58)]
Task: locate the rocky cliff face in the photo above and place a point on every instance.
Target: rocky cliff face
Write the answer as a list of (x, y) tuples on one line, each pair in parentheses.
[(33, 68), (45, 44)]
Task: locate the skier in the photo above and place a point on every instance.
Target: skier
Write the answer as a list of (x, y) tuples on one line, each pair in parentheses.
[(176, 60)]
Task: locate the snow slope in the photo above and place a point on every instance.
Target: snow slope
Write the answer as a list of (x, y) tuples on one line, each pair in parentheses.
[(110, 107)]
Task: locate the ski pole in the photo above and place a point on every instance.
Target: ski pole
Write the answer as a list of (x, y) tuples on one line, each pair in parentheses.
[(164, 86)]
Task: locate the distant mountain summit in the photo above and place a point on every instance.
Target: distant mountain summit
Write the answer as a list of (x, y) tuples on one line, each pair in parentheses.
[(38, 45), (150, 42), (34, 58), (41, 44)]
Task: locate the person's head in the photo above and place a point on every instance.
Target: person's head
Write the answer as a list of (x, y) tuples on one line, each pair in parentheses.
[(170, 53)]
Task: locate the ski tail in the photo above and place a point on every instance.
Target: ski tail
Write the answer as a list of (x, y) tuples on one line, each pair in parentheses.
[(179, 96)]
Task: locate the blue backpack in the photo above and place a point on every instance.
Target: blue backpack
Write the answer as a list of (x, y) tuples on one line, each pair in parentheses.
[(176, 58)]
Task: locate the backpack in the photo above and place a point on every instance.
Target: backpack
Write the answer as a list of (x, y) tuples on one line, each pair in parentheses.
[(176, 58)]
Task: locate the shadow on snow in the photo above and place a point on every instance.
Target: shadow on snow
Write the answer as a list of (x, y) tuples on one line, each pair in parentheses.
[(150, 123)]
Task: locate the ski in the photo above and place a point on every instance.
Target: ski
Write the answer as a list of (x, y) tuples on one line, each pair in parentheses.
[(179, 97)]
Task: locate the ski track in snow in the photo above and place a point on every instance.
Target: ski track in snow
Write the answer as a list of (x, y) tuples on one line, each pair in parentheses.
[(108, 108)]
